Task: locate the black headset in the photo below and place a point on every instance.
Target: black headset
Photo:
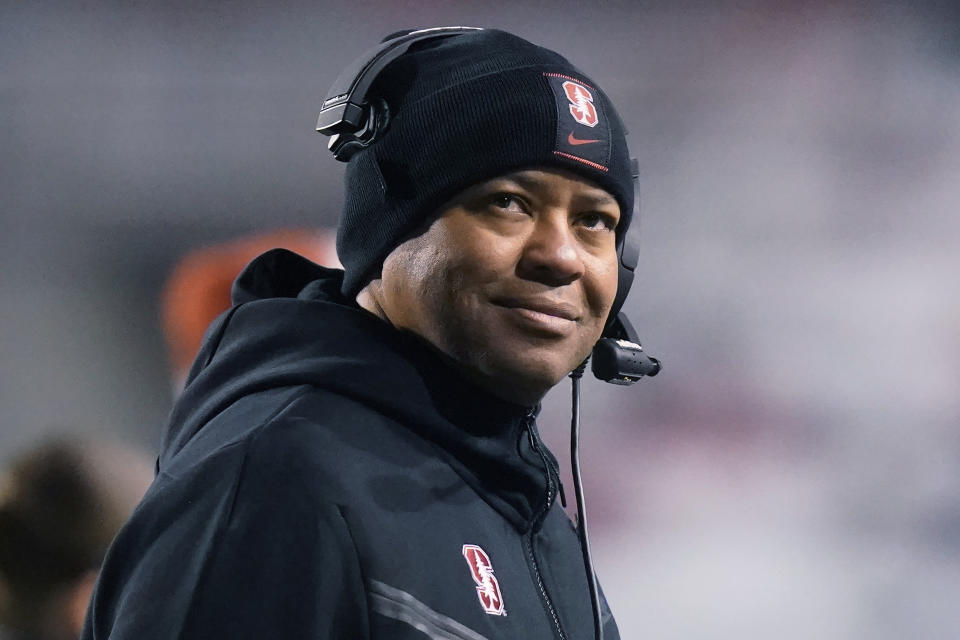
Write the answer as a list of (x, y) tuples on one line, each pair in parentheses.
[(346, 115), (353, 122)]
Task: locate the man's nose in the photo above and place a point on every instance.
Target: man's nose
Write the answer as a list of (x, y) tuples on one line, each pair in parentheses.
[(551, 253)]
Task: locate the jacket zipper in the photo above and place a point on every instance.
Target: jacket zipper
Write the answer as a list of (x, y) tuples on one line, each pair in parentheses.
[(538, 518)]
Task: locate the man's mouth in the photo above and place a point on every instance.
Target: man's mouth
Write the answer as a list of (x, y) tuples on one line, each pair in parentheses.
[(550, 316)]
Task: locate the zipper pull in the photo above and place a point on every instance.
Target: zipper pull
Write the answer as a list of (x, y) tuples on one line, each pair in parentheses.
[(553, 471), (556, 475)]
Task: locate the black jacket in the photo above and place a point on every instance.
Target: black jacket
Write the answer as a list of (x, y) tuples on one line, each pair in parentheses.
[(326, 476)]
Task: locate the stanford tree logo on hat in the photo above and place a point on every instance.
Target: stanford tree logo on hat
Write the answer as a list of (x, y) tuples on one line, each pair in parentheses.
[(581, 103)]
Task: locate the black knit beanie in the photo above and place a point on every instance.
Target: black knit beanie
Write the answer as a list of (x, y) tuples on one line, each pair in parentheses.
[(465, 109)]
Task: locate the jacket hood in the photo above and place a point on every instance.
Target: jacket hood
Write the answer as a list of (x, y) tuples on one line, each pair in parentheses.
[(291, 326)]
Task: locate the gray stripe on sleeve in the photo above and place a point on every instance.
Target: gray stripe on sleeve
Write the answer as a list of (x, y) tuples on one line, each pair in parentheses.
[(400, 605)]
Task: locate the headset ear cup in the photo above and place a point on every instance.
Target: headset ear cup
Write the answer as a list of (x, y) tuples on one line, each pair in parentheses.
[(377, 119), (627, 254), (343, 108)]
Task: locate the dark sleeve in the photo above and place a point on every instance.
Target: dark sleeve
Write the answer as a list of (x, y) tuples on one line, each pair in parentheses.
[(239, 547)]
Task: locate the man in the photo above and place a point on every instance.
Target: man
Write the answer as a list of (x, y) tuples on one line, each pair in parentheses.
[(61, 503), (355, 454)]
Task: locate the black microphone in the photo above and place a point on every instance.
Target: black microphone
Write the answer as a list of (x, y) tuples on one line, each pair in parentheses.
[(619, 358)]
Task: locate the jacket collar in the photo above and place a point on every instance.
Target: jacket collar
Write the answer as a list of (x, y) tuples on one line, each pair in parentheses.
[(292, 326)]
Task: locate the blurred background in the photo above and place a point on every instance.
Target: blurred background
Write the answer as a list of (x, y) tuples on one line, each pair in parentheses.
[(792, 473)]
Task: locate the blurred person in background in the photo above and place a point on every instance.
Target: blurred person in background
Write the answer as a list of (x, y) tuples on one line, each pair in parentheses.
[(61, 503), (355, 453), (198, 288)]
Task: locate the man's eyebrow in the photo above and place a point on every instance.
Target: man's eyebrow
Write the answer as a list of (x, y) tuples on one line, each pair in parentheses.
[(601, 199), (597, 197)]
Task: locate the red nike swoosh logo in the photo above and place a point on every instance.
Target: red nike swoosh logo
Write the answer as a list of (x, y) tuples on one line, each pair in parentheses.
[(572, 140)]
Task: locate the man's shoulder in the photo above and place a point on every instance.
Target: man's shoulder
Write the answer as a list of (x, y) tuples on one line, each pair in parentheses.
[(323, 425), (301, 435)]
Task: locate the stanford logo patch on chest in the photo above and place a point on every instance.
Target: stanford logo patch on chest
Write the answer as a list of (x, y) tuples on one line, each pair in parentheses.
[(488, 588)]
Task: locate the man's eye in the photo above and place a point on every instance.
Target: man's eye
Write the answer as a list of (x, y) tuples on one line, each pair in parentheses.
[(507, 202), (596, 220)]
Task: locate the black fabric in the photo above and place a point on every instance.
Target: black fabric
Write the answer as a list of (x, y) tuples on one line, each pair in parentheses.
[(317, 454), (9, 633), (462, 110)]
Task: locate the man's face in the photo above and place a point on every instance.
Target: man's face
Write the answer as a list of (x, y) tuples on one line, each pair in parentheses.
[(513, 280)]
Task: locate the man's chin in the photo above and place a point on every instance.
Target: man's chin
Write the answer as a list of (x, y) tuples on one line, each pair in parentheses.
[(523, 382), (519, 369)]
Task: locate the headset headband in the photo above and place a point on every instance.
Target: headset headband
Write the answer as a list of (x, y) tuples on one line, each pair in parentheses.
[(344, 110)]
